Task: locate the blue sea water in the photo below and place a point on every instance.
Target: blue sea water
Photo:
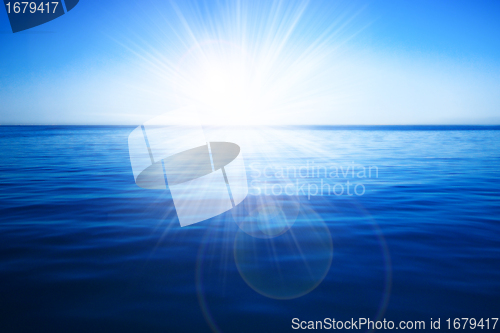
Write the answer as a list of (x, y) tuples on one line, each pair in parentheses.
[(84, 249)]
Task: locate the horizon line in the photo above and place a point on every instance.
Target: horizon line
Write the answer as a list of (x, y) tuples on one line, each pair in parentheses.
[(276, 125)]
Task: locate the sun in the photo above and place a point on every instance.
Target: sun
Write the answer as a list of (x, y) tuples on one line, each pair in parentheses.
[(221, 82)]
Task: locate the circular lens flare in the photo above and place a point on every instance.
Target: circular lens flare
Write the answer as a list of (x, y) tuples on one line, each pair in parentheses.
[(290, 265)]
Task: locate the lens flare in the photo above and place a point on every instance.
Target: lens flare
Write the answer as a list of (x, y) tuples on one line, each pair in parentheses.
[(290, 265)]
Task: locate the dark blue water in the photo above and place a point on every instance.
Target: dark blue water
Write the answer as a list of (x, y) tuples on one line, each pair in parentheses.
[(83, 249)]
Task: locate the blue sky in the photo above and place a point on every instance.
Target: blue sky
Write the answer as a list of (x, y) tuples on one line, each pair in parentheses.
[(317, 62)]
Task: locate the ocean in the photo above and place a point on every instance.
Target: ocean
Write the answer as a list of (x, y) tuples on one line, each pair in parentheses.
[(376, 222)]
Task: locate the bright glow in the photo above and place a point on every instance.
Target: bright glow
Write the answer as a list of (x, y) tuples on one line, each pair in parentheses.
[(250, 65), (221, 86), (230, 86), (291, 62)]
